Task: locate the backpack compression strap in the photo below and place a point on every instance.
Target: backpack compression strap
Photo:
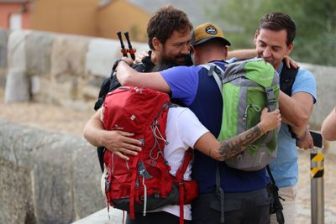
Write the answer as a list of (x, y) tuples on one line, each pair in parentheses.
[(270, 96), (179, 177)]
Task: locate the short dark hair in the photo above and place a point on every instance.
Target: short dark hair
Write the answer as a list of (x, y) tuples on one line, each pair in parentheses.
[(164, 22), (279, 21)]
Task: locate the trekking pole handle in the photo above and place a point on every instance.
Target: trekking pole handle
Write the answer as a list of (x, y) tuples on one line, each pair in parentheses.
[(130, 50), (123, 50)]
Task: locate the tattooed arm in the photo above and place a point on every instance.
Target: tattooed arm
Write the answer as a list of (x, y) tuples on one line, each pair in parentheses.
[(209, 145), (237, 144)]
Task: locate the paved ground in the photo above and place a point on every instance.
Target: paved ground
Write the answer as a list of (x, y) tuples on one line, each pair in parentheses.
[(66, 120)]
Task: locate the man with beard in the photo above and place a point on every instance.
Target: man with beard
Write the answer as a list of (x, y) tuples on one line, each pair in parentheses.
[(169, 37)]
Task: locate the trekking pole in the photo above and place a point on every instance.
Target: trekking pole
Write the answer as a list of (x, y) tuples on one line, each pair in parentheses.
[(317, 184), (130, 49), (123, 50)]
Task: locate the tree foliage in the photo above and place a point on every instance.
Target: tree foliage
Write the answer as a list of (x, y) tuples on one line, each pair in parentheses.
[(316, 25)]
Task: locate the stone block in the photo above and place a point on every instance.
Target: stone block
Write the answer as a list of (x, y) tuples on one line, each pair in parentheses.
[(88, 196), (58, 173), (16, 194), (101, 55), (53, 178), (16, 49), (3, 48), (17, 86), (68, 56), (38, 53)]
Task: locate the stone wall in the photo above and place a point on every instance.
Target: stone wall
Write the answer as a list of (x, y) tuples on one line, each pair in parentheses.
[(46, 177), (60, 69)]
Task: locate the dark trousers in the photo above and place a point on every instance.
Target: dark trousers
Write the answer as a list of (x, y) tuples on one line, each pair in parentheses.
[(239, 208), (155, 218)]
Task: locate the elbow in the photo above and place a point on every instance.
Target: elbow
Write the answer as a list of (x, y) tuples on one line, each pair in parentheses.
[(86, 133), (91, 136), (301, 121)]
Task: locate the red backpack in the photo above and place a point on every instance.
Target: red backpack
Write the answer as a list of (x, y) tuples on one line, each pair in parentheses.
[(143, 182)]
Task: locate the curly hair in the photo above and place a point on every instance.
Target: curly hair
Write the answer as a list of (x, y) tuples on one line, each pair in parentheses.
[(279, 21), (164, 22)]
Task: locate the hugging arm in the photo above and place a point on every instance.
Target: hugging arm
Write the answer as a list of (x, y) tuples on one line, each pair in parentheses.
[(226, 149), (128, 76), (116, 141)]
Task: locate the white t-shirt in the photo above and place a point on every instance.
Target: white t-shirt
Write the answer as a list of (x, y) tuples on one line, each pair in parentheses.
[(182, 131)]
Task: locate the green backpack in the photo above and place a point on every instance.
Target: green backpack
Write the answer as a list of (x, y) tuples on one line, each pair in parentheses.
[(247, 87)]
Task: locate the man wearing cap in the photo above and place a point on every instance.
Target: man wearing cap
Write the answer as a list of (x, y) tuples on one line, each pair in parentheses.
[(246, 199)]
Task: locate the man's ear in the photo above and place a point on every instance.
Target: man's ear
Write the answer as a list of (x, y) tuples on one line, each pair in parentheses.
[(290, 48), (156, 43), (226, 52)]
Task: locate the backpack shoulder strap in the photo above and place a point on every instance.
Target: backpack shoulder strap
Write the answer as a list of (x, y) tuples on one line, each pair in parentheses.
[(179, 177), (215, 71), (183, 167), (287, 78)]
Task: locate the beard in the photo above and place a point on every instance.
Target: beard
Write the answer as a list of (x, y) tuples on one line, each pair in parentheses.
[(166, 63), (183, 59)]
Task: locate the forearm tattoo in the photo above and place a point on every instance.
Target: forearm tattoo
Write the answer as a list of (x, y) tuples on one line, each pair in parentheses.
[(238, 144)]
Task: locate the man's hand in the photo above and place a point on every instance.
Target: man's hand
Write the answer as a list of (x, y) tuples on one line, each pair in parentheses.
[(139, 56), (290, 63), (121, 143), (129, 61), (269, 120), (305, 141)]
